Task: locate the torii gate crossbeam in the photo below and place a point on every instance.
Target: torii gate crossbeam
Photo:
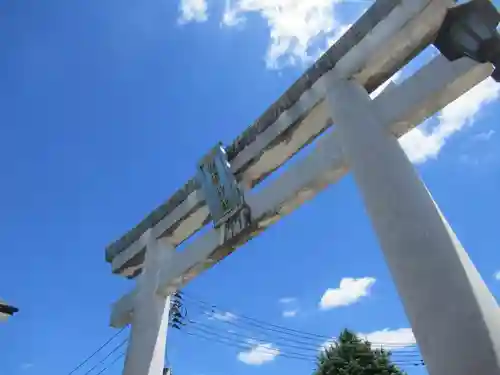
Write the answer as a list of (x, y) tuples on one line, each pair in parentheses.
[(452, 313)]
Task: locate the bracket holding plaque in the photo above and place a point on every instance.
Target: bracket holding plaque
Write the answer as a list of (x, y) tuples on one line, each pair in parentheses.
[(470, 29), (223, 195)]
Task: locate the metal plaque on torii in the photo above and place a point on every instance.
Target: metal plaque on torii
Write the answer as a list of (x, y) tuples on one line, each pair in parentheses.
[(222, 193)]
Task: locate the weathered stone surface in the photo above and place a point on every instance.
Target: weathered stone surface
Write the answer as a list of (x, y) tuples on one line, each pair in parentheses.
[(374, 15)]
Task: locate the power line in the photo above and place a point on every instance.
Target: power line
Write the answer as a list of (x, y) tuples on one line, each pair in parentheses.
[(295, 345), (102, 361), (231, 336), (242, 339), (279, 352), (291, 338), (281, 334), (262, 325), (95, 353), (237, 339), (107, 356), (111, 364), (401, 357), (257, 321), (241, 345), (217, 338)]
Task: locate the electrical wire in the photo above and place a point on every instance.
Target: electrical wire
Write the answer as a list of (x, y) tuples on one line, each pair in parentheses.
[(242, 339), (106, 357), (289, 340), (294, 345), (403, 356), (257, 322), (111, 363), (96, 352), (298, 340), (250, 341), (289, 334), (217, 338), (242, 345)]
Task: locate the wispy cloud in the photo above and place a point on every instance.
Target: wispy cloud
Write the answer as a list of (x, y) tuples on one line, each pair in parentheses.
[(223, 316), (290, 313), (340, 30), (497, 275), (421, 145), (299, 31), (290, 307), (484, 136), (193, 11), (297, 28), (287, 300), (258, 354), (389, 339), (327, 344), (349, 291)]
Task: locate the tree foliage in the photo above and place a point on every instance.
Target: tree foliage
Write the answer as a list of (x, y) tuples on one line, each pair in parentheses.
[(350, 355)]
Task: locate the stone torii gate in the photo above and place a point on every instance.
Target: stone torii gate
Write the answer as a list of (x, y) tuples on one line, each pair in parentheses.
[(454, 317)]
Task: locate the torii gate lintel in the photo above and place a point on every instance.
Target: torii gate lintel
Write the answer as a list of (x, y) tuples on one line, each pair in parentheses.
[(425, 258)]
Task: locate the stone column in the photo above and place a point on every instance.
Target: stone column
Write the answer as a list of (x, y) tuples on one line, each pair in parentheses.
[(455, 319), (146, 348)]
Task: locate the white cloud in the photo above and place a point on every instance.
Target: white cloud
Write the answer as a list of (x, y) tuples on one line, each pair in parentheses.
[(497, 275), (349, 291), (295, 26), (290, 313), (223, 316), (390, 339), (259, 354), (287, 300), (340, 30), (327, 344), (331, 40), (231, 16), (193, 11), (299, 31), (290, 307), (484, 136), (421, 145)]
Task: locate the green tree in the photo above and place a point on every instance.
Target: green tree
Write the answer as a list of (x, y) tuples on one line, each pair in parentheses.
[(350, 355)]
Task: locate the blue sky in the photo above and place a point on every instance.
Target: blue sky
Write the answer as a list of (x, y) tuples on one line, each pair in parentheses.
[(107, 107)]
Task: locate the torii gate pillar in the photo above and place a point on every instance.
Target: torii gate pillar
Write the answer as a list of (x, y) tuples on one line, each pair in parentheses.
[(455, 319), (146, 349)]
